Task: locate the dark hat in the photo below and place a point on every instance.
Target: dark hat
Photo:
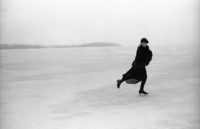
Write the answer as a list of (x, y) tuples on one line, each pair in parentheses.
[(144, 40)]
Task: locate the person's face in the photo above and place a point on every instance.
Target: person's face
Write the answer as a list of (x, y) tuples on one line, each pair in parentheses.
[(144, 44)]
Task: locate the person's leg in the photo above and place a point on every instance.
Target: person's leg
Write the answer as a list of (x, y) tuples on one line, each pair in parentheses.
[(141, 91), (143, 83), (125, 77), (121, 80)]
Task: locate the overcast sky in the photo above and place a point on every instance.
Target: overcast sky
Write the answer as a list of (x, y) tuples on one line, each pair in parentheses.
[(82, 21)]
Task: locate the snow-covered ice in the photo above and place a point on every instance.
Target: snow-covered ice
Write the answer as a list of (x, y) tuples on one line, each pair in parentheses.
[(75, 88)]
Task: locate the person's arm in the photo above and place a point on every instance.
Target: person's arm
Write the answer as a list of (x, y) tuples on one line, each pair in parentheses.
[(149, 58), (137, 63)]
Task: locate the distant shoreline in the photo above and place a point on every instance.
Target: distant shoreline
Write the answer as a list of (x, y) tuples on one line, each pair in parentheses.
[(27, 46)]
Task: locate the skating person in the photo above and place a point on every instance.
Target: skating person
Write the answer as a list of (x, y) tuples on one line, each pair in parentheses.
[(138, 70)]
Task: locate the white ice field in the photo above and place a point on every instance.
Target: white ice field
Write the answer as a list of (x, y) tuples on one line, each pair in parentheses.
[(75, 88)]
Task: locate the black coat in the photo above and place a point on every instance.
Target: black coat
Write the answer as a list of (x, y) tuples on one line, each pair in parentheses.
[(142, 59)]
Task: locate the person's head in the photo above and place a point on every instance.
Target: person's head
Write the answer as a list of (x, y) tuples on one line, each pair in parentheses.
[(144, 42)]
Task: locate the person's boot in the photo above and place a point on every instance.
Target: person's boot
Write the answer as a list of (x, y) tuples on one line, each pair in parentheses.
[(119, 83), (142, 92)]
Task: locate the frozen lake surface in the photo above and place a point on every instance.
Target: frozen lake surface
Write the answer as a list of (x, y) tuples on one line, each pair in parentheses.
[(75, 88)]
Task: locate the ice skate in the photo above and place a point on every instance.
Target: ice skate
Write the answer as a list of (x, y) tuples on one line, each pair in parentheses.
[(142, 92), (118, 83)]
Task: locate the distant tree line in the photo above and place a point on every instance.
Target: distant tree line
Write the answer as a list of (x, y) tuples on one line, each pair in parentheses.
[(20, 46), (30, 46)]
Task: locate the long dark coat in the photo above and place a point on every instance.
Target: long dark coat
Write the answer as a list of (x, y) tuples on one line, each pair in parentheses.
[(138, 70)]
